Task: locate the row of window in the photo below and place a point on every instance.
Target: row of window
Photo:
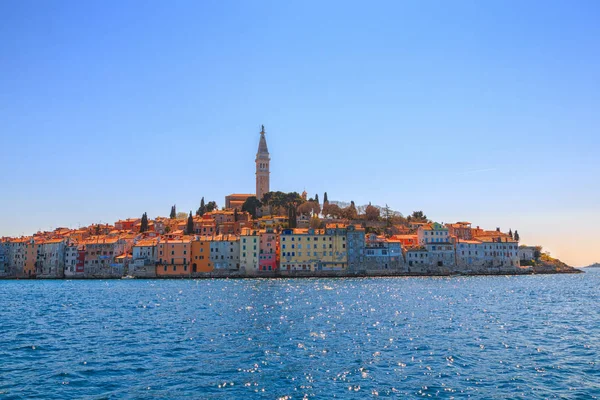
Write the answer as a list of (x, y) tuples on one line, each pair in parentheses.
[(315, 238), (293, 253)]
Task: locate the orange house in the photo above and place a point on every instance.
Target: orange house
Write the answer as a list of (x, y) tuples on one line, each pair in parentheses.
[(201, 255), (174, 256), (406, 240), (31, 250)]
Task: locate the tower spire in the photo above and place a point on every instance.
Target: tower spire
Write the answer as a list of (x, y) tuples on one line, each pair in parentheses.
[(262, 166)]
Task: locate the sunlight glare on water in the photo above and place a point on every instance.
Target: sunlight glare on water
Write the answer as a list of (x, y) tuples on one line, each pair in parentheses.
[(527, 336)]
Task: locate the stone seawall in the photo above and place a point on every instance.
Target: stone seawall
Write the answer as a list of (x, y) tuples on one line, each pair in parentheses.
[(335, 274)]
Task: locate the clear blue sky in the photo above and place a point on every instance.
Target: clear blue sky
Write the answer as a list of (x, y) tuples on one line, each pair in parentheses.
[(486, 111)]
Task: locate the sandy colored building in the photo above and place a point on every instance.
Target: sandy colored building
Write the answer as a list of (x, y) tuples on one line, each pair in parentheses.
[(174, 257)]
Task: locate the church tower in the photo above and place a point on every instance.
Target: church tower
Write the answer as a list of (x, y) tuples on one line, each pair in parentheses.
[(262, 166)]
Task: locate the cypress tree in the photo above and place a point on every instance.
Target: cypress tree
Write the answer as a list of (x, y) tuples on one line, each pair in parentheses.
[(516, 237), (317, 197), (510, 234), (202, 208), (235, 215), (144, 223), (173, 212), (190, 224), (325, 198)]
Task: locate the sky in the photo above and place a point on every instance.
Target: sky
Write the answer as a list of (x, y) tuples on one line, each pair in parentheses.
[(484, 111)]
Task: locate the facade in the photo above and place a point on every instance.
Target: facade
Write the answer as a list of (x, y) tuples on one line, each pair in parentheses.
[(313, 249), (249, 251), (174, 257), (225, 252), (460, 230), (236, 201), (205, 226), (143, 258), (126, 224), (5, 257), (51, 258), (417, 259), (201, 254), (433, 233), (101, 253), (74, 260), (527, 253), (262, 166), (31, 255), (441, 256), (355, 242), (407, 240), (383, 254), (268, 257)]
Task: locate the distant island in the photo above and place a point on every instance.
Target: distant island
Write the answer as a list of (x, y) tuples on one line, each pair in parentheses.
[(595, 265), (273, 234)]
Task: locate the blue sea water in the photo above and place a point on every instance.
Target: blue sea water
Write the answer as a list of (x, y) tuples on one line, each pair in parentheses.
[(479, 337)]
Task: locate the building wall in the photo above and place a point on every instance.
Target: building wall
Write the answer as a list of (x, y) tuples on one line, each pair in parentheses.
[(355, 241), (249, 251), (201, 255), (433, 233), (269, 251), (174, 257), (225, 252)]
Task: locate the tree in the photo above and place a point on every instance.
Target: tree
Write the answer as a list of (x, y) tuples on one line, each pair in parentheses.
[(332, 210), (291, 201), (202, 209), (315, 222), (387, 214), (417, 216), (309, 208), (537, 253), (189, 229), (173, 212), (144, 223), (211, 206), (325, 200), (510, 233), (372, 213), (516, 237), (317, 197), (181, 215), (235, 215), (350, 212), (251, 206)]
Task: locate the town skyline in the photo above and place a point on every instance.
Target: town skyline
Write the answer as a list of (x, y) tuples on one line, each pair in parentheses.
[(465, 111)]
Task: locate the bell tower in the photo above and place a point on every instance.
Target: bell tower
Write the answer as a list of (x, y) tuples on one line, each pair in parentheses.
[(262, 166)]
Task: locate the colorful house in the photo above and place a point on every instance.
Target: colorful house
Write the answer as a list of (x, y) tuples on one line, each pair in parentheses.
[(201, 254), (174, 257), (433, 233)]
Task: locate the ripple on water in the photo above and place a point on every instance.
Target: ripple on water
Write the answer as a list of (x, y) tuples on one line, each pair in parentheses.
[(531, 337)]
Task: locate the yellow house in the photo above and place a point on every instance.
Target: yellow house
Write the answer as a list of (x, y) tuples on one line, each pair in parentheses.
[(313, 249)]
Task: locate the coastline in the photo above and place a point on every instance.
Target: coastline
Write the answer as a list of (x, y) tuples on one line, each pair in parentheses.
[(313, 275)]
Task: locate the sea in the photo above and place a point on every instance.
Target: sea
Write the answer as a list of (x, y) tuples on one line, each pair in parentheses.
[(488, 337)]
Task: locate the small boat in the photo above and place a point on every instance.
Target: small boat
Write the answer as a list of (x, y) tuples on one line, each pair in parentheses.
[(128, 277)]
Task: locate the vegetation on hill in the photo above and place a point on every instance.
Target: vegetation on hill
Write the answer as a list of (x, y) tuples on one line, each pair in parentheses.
[(543, 263)]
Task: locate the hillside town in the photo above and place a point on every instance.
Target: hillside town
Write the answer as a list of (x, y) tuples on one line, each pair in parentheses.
[(267, 233)]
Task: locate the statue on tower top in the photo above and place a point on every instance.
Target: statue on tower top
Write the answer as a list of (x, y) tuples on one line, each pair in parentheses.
[(262, 129)]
